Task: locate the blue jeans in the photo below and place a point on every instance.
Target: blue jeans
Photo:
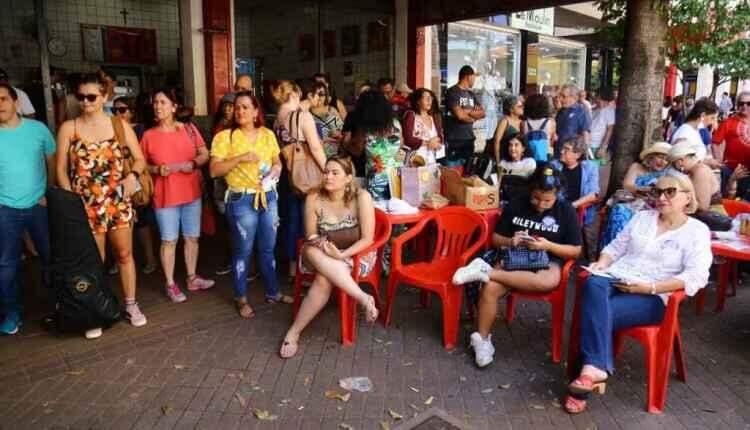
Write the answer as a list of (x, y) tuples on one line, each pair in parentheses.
[(245, 222), (294, 226), (605, 310), (185, 217), (13, 222)]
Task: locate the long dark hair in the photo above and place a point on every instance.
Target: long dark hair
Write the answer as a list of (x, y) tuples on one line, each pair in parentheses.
[(416, 96), (219, 114), (374, 113)]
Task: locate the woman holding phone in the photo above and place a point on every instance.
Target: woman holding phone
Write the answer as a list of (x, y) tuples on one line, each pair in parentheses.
[(175, 152), (658, 252), (539, 221)]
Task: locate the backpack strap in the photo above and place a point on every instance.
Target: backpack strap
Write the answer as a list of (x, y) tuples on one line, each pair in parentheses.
[(544, 124)]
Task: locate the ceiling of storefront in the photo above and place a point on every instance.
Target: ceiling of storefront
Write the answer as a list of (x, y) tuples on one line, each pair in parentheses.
[(384, 6), (428, 12)]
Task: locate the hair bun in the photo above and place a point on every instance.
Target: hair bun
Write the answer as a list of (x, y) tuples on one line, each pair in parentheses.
[(548, 171)]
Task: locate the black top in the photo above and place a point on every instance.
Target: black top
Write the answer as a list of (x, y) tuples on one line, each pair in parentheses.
[(558, 224), (351, 126), (466, 100), (572, 182)]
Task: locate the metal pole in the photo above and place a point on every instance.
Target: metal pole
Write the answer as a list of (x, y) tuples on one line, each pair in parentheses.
[(40, 10), (321, 61)]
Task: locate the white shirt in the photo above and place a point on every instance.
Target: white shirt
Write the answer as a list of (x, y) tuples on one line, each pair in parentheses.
[(640, 256), (686, 131), (726, 104), (600, 120), (24, 103), (524, 167)]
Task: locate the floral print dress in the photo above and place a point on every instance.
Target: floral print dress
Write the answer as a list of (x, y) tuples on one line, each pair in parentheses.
[(382, 161), (96, 169)]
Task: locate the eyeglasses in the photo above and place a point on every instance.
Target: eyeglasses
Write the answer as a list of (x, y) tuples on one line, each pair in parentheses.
[(669, 192), (747, 103), (91, 98), (121, 109), (321, 94)]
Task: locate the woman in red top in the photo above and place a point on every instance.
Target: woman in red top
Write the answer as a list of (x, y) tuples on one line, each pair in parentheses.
[(174, 153)]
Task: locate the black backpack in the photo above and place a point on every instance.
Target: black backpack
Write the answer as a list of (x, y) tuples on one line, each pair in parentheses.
[(481, 165), (84, 299)]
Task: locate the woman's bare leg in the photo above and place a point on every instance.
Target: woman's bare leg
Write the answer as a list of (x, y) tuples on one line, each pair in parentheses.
[(315, 300), (488, 298), (336, 272), (167, 255), (122, 248)]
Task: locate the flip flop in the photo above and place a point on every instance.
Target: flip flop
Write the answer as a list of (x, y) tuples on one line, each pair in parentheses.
[(288, 348), (245, 310)]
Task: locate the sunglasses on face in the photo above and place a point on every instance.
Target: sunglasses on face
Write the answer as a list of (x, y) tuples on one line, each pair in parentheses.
[(121, 109), (91, 98), (745, 103), (669, 192), (321, 94)]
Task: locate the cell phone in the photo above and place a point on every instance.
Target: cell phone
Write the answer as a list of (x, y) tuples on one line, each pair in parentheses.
[(528, 238)]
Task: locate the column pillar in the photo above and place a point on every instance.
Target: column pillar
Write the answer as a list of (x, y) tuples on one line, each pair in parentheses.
[(217, 33), (193, 55), (401, 45)]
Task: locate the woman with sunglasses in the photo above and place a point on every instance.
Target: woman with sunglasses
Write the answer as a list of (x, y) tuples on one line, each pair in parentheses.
[(247, 155), (124, 108), (339, 223), (175, 152), (539, 221), (659, 251), (327, 119), (90, 163), (639, 179), (512, 123)]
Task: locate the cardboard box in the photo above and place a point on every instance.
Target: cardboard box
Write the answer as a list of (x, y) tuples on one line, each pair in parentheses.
[(419, 183), (471, 192)]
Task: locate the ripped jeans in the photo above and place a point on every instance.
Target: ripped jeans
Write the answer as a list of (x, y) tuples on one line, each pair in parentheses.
[(245, 223)]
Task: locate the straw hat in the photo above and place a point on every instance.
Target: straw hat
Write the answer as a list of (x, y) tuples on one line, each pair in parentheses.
[(655, 148)]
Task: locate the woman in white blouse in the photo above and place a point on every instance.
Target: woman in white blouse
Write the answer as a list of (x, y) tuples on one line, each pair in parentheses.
[(658, 252)]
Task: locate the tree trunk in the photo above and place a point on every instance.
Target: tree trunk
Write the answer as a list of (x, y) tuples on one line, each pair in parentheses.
[(641, 86)]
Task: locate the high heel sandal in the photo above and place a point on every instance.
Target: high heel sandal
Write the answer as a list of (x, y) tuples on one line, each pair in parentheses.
[(574, 406), (585, 384)]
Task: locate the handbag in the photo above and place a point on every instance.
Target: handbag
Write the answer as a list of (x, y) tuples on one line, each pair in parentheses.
[(304, 172), (208, 217), (142, 197), (481, 165), (520, 258), (714, 220)]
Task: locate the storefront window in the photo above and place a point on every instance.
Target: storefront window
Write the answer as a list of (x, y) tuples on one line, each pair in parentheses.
[(557, 63), (492, 51)]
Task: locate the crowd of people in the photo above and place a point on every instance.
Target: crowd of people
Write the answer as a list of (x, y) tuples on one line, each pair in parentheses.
[(552, 150)]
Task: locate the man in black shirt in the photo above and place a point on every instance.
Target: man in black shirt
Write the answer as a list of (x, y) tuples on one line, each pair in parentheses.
[(463, 109)]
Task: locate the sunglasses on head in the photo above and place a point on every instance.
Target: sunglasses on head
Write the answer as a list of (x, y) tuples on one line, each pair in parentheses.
[(120, 109), (91, 98), (668, 192)]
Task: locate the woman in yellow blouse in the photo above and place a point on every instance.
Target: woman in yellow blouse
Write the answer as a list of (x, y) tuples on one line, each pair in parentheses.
[(247, 155)]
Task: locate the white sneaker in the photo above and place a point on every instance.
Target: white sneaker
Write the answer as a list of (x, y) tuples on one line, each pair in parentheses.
[(484, 352), (477, 270), (93, 333)]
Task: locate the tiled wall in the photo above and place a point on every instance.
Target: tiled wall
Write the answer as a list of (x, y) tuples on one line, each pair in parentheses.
[(272, 32), (19, 51)]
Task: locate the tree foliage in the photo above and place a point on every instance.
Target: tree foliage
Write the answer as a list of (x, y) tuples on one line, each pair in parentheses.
[(702, 32)]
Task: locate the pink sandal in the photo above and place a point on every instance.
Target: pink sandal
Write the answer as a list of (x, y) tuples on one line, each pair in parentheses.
[(574, 406)]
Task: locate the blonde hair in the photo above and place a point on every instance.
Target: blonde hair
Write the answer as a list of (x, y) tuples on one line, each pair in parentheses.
[(683, 183), (282, 90)]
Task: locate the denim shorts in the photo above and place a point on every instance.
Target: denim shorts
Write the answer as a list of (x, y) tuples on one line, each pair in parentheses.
[(185, 217)]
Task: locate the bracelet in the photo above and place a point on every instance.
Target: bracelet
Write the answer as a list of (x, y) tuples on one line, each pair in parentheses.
[(653, 288)]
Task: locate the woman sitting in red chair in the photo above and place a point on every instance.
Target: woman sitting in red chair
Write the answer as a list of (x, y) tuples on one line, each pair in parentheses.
[(658, 252), (539, 223), (339, 223)]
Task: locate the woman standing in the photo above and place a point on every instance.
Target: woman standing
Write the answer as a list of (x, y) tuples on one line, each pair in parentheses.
[(382, 142), (512, 123), (540, 127), (90, 163), (423, 128), (327, 119), (247, 155), (125, 108), (174, 153), (294, 124), (224, 114)]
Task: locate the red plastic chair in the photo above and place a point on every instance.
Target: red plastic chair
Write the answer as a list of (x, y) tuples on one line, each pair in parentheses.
[(581, 211), (460, 234), (659, 342), (556, 298), (735, 207), (347, 306)]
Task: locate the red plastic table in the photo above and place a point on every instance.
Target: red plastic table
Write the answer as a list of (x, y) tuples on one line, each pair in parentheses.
[(730, 253)]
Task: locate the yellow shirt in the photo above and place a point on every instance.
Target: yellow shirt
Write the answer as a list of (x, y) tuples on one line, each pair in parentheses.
[(246, 175)]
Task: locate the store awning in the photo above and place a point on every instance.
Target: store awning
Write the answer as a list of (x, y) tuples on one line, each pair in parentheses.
[(431, 12)]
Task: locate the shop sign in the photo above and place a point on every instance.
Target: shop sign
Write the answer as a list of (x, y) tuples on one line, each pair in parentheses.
[(539, 20)]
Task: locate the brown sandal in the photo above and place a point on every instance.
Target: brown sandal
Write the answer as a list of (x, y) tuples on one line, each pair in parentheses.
[(287, 300), (244, 309)]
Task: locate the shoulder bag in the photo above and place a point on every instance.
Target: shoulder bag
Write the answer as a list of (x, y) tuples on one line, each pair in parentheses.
[(208, 215), (139, 198), (304, 172)]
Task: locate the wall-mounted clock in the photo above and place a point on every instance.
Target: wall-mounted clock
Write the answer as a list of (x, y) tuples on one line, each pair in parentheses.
[(57, 47)]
